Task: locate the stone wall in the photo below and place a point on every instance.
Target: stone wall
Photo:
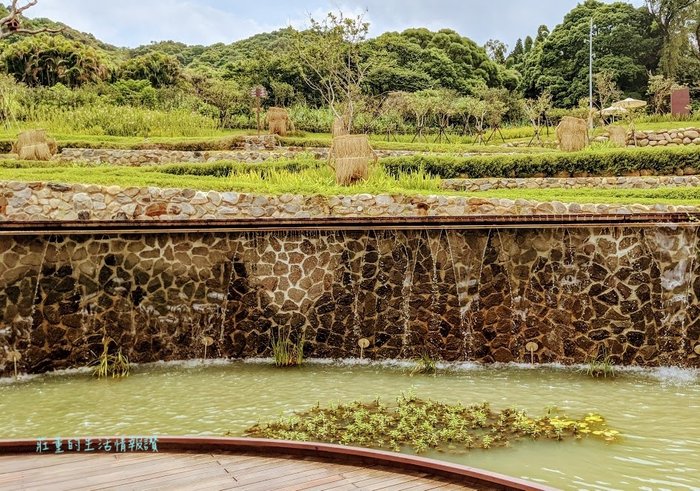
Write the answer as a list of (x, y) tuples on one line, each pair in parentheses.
[(20, 201), (631, 182), (661, 138), (476, 295), (157, 157)]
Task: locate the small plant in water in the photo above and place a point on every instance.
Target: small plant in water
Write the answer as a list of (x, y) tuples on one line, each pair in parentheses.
[(425, 365), (287, 351), (423, 425), (601, 367), (108, 364)]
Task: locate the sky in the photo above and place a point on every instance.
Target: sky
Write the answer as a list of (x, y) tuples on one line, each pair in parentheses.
[(135, 22)]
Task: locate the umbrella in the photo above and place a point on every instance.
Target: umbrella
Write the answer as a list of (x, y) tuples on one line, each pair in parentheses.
[(630, 103), (613, 111)]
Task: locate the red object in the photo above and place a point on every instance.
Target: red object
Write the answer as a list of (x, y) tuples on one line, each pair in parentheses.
[(680, 102)]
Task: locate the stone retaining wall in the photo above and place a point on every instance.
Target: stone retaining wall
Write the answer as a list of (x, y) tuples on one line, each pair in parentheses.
[(457, 295), (650, 182), (156, 157), (21, 201), (661, 138)]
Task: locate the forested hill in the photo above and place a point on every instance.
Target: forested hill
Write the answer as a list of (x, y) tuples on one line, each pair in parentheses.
[(630, 44)]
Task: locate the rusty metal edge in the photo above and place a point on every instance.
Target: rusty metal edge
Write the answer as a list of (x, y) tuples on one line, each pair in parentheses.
[(457, 473), (114, 227)]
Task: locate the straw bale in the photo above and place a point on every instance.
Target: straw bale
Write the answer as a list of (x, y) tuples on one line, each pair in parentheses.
[(339, 128), (33, 145), (617, 136), (351, 156), (31, 137), (278, 121), (572, 134), (53, 146), (39, 151)]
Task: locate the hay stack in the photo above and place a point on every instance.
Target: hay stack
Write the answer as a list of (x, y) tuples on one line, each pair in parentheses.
[(350, 156), (278, 121), (617, 135), (572, 134), (339, 128), (33, 145)]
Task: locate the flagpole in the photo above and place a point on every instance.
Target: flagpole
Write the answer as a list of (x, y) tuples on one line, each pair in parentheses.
[(590, 77)]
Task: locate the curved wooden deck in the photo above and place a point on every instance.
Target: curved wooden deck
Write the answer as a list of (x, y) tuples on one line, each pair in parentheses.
[(241, 464), (209, 471)]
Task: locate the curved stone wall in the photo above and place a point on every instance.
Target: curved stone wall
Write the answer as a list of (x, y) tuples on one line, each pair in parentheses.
[(472, 295)]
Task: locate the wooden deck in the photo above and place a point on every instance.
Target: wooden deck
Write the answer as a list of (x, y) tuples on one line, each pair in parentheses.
[(210, 471)]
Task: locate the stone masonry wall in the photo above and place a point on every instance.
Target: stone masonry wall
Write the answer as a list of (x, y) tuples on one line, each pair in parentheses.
[(157, 157), (631, 182), (21, 201), (662, 138), (476, 295)]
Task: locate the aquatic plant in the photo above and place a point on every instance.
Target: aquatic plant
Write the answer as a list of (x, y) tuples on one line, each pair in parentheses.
[(600, 366), (425, 365), (423, 425), (287, 350), (108, 364)]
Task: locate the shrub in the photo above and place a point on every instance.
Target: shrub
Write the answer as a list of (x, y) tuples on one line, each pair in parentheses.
[(610, 162)]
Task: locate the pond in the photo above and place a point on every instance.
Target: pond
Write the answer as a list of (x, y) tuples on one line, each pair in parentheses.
[(656, 411)]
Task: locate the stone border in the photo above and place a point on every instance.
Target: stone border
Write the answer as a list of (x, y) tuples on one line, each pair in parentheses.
[(142, 158), (40, 201), (459, 474), (629, 182), (659, 138)]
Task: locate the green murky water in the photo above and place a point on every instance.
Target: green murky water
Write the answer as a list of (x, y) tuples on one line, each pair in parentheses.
[(658, 412)]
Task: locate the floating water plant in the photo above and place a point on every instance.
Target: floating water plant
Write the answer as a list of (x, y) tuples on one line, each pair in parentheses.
[(422, 425), (287, 351), (107, 364)]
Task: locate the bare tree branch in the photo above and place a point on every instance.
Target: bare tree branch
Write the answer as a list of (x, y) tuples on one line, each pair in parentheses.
[(12, 22)]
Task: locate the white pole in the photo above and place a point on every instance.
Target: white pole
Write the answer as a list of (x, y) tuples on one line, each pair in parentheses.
[(590, 77)]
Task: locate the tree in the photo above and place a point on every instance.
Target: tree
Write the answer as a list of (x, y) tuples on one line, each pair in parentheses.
[(225, 95), (11, 24), (48, 60), (626, 43), (516, 56), (542, 34), (496, 50), (332, 62), (536, 111), (660, 90), (606, 88), (421, 105), (529, 43), (160, 69), (671, 16)]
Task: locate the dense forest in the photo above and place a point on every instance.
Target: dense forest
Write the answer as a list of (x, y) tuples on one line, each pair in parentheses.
[(638, 52)]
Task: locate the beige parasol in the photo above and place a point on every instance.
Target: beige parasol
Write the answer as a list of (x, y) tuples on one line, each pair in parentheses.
[(629, 105)]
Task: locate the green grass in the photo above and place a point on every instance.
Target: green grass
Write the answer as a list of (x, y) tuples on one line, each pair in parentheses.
[(172, 136), (311, 179)]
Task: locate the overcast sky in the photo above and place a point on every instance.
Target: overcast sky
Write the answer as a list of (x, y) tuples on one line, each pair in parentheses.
[(135, 22)]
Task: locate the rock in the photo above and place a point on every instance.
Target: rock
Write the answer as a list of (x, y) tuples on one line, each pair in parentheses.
[(82, 201)]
